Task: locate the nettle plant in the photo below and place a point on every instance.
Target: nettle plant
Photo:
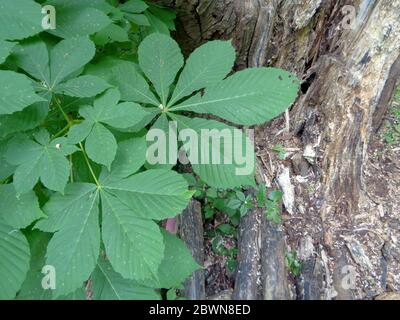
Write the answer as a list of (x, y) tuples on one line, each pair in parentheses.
[(79, 201)]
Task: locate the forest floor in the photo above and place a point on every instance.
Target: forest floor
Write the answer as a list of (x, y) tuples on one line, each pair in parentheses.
[(371, 238)]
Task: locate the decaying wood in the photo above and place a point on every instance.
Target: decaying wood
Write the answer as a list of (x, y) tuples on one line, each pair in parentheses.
[(247, 282), (274, 272), (349, 74), (191, 232)]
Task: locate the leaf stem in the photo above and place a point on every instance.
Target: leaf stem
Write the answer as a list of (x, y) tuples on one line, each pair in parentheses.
[(70, 123), (89, 165)]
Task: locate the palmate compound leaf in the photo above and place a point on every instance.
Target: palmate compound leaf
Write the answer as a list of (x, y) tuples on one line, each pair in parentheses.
[(53, 68), (101, 144), (14, 260), (74, 249), (133, 241), (16, 92), (110, 285), (20, 19), (42, 159), (18, 211), (160, 59), (236, 166), (249, 97)]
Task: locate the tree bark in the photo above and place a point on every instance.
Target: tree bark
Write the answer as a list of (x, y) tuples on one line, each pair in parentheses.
[(349, 71)]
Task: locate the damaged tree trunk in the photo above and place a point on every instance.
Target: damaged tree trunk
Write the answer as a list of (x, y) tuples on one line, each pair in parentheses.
[(348, 54)]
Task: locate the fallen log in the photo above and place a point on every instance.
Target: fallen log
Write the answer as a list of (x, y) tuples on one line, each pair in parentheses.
[(191, 232)]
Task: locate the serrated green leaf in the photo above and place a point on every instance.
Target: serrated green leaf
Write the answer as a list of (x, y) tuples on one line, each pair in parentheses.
[(156, 24), (32, 287), (24, 120), (83, 86), (153, 194), (79, 132), (68, 56), (35, 160), (177, 255), (132, 85), (166, 159), (80, 230), (205, 67), (5, 49), (134, 246), (111, 33), (19, 19), (160, 59), (131, 155), (78, 18), (134, 6), (32, 56), (110, 285), (6, 169), (249, 97), (139, 19), (59, 207), (18, 211), (16, 92), (226, 174), (14, 260), (101, 145)]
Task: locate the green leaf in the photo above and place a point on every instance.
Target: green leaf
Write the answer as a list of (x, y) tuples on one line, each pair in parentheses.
[(108, 111), (227, 229), (79, 132), (32, 56), (224, 175), (5, 50), (153, 194), (44, 160), (249, 97), (163, 159), (176, 255), (24, 120), (134, 246), (79, 228), (14, 261), (160, 58), (68, 56), (18, 211), (139, 19), (101, 145), (16, 92), (132, 85), (205, 67), (83, 86), (134, 6), (78, 18), (6, 169), (111, 33), (131, 155), (19, 19), (109, 285), (59, 207), (32, 287)]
